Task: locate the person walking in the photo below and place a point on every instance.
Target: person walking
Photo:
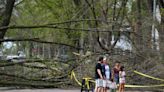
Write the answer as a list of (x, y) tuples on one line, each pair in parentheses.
[(99, 76)]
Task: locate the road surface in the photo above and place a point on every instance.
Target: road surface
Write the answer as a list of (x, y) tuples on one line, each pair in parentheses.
[(49, 90)]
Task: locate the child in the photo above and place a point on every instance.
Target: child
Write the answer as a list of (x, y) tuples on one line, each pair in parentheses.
[(122, 79), (113, 86)]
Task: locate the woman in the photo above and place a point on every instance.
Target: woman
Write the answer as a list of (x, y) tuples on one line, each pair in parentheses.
[(115, 72), (107, 74)]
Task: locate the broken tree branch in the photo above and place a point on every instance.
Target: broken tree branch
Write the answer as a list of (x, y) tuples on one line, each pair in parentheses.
[(37, 40)]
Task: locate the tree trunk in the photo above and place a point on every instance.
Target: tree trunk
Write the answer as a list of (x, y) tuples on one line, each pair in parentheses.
[(30, 49), (43, 50), (6, 17), (148, 34), (161, 29), (49, 51), (138, 40)]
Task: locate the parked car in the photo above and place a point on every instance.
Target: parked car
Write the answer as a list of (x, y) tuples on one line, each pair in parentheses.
[(20, 57)]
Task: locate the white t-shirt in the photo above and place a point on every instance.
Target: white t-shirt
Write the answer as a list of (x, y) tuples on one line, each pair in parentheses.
[(122, 76), (107, 72)]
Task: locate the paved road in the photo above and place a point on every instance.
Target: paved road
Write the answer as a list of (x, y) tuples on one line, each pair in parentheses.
[(48, 90)]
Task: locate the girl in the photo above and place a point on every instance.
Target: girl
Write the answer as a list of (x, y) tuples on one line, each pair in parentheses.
[(122, 79)]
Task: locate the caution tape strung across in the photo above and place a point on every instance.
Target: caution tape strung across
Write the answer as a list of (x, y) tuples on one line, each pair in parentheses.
[(130, 86), (144, 86), (148, 76)]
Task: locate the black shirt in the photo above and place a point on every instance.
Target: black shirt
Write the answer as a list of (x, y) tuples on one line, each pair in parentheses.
[(98, 66)]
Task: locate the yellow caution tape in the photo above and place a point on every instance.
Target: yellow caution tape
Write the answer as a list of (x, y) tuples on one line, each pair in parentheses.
[(143, 86), (73, 76), (129, 86), (148, 76), (87, 80)]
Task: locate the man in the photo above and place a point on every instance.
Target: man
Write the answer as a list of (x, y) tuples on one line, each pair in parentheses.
[(99, 76)]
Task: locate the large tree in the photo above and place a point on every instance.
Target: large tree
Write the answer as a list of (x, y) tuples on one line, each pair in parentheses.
[(6, 15)]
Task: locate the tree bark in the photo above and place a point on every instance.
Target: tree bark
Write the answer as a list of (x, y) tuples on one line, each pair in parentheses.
[(161, 28), (6, 17), (138, 30)]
